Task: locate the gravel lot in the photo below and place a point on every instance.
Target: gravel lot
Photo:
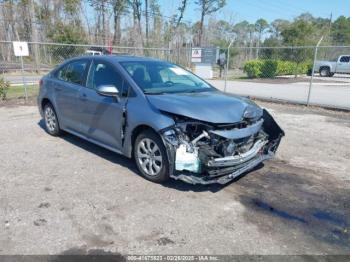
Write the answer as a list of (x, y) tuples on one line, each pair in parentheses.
[(64, 195)]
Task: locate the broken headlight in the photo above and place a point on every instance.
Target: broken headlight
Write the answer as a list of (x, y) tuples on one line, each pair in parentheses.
[(252, 112)]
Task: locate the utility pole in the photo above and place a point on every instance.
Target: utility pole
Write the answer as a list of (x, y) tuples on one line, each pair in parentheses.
[(227, 64)]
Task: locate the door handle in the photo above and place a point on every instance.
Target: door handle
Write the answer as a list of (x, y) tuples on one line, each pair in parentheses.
[(58, 88)]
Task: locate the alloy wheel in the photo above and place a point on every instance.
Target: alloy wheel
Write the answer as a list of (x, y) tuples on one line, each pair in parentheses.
[(50, 119), (149, 156)]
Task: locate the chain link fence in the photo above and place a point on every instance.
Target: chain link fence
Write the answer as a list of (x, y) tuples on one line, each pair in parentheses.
[(286, 74), (272, 62), (45, 56), (273, 73)]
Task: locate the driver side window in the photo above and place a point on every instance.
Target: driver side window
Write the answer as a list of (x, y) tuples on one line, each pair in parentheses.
[(103, 74)]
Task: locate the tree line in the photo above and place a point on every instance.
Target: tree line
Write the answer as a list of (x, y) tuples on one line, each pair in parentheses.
[(140, 23)]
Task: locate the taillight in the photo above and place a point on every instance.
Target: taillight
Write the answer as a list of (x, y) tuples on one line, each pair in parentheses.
[(40, 83)]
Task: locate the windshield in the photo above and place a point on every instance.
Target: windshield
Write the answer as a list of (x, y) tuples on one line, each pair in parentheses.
[(155, 77)]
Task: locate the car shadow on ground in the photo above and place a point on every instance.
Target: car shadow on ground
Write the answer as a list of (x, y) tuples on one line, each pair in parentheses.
[(95, 149), (182, 186), (129, 164)]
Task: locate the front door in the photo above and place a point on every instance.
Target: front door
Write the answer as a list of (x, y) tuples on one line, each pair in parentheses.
[(101, 116), (343, 65), (67, 84)]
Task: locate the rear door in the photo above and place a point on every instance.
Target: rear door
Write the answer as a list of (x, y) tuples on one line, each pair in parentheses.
[(69, 79), (102, 116), (343, 65)]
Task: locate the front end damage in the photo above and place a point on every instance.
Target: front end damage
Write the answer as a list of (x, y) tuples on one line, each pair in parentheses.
[(206, 153)]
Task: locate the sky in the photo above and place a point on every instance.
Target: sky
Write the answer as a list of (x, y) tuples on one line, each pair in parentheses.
[(251, 10)]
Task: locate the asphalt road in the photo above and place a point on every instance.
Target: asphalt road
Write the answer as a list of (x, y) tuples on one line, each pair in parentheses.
[(67, 196), (18, 79), (331, 94)]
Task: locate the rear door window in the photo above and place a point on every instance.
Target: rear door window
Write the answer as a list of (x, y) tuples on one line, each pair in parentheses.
[(73, 72)]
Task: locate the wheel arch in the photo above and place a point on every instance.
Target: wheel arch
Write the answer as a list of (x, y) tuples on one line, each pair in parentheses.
[(135, 132), (44, 102), (327, 67)]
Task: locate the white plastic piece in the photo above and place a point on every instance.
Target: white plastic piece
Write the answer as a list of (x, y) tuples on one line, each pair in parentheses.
[(204, 134), (179, 71), (186, 160)]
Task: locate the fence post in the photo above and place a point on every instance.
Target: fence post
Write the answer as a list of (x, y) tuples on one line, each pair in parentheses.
[(227, 64), (24, 82), (313, 72)]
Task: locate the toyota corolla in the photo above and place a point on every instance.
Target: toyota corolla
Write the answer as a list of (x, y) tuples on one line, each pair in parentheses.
[(174, 124)]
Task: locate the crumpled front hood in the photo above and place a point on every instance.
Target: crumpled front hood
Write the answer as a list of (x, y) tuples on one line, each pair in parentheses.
[(213, 107)]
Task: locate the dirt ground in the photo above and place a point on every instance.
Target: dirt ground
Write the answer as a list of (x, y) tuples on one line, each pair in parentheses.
[(65, 195)]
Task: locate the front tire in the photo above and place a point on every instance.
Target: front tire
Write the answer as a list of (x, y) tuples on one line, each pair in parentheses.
[(325, 72), (151, 157), (51, 120)]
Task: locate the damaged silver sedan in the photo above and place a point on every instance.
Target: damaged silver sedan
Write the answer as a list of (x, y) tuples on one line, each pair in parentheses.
[(174, 124)]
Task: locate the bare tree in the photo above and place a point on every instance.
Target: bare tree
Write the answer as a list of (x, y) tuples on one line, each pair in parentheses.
[(172, 34), (181, 10), (101, 7), (136, 7), (119, 8), (147, 22), (9, 17), (260, 26), (206, 8), (156, 35)]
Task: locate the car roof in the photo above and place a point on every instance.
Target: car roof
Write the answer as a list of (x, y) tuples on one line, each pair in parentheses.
[(117, 58)]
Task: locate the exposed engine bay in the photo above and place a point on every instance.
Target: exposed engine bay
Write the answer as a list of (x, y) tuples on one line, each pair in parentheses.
[(205, 153)]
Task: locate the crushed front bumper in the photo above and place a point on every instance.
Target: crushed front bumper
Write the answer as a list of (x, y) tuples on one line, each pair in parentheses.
[(205, 180), (226, 169)]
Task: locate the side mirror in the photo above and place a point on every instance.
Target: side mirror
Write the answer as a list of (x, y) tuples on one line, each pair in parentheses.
[(108, 90)]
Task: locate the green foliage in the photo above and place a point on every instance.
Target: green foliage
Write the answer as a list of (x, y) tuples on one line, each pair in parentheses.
[(210, 6), (261, 25), (253, 68), (286, 67), (271, 68), (277, 26), (299, 33), (71, 7), (66, 34), (341, 31), (4, 87)]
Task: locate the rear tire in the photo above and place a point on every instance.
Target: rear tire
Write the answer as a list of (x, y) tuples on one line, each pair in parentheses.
[(51, 121), (325, 72), (151, 157)]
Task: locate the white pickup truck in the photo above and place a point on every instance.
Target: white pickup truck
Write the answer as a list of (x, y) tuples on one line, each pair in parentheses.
[(329, 68)]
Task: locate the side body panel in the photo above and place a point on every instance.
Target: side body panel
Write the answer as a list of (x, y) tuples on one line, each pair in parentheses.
[(101, 117)]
